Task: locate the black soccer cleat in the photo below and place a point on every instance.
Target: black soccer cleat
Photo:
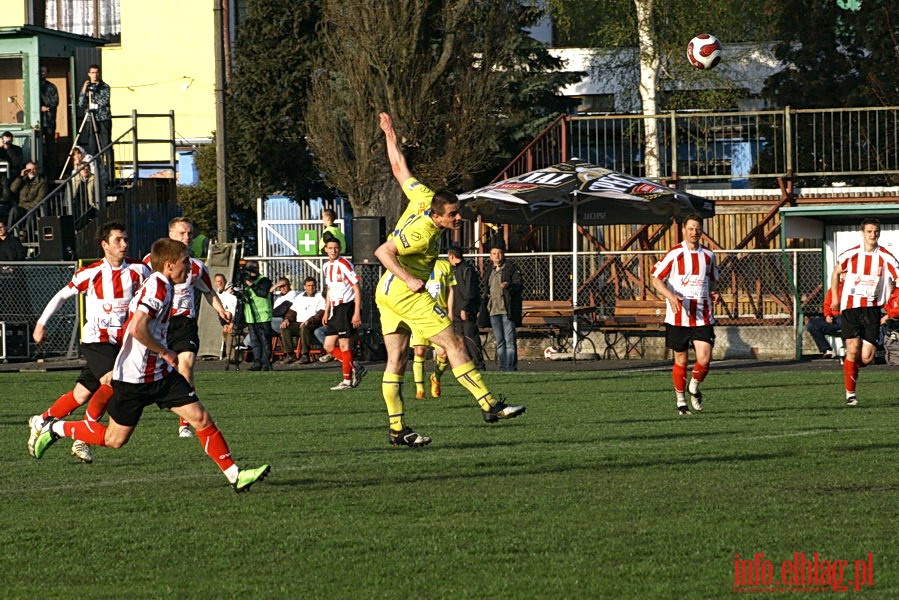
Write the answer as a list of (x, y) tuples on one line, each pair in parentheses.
[(407, 437), (501, 410)]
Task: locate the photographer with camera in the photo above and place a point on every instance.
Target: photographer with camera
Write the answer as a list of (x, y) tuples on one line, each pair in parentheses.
[(258, 315), (94, 97)]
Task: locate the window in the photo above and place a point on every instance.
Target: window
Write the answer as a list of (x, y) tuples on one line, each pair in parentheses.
[(96, 18), (12, 90)]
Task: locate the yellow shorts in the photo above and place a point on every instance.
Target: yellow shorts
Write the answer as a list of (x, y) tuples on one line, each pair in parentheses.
[(417, 340), (402, 310)]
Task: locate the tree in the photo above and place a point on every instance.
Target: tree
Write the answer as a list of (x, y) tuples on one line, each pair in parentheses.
[(266, 134), (460, 77)]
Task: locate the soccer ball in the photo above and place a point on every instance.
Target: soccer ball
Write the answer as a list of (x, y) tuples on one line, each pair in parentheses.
[(548, 352), (704, 51)]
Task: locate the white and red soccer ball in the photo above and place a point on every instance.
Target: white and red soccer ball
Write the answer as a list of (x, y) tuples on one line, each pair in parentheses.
[(704, 51)]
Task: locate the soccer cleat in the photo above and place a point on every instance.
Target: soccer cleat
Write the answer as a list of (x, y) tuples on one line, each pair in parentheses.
[(343, 385), (502, 411), (185, 432), (435, 386), (35, 423), (247, 477), (828, 354), (696, 400), (407, 437), (45, 438), (325, 358), (82, 452), (852, 400), (359, 371), (419, 394), (683, 410)]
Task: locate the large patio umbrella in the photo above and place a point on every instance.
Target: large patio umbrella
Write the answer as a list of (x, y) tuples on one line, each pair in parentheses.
[(580, 193)]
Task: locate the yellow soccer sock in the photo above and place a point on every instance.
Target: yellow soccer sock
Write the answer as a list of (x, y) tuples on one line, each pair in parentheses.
[(442, 364), (418, 373), (392, 389), (471, 380)]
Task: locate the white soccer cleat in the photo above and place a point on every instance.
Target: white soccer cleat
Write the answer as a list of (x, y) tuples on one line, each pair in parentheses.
[(696, 400), (36, 423), (185, 432), (343, 385), (82, 452)]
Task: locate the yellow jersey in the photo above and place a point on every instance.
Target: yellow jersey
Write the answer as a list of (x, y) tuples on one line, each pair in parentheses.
[(442, 278), (419, 196)]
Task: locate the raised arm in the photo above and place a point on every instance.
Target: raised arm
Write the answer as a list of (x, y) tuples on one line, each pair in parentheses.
[(394, 153)]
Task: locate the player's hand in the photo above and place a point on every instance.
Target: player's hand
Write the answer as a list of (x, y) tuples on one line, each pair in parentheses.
[(416, 285), (171, 358), (39, 334), (677, 305), (385, 122), (715, 297), (357, 321)]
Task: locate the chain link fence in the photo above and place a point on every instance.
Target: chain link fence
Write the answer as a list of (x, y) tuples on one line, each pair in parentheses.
[(757, 287), (27, 288)]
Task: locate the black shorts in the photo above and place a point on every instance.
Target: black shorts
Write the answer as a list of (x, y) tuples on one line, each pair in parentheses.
[(680, 339), (183, 335), (129, 399), (863, 322), (100, 359), (340, 323)]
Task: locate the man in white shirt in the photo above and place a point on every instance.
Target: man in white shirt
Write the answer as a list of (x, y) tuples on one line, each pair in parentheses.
[(229, 302), (305, 315)]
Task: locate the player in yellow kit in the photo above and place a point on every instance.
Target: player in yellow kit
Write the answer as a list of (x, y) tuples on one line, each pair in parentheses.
[(409, 256), (438, 286)]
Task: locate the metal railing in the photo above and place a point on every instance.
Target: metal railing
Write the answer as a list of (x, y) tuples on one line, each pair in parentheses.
[(855, 146)]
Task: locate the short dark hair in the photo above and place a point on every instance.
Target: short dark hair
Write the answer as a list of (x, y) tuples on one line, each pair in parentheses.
[(870, 221), (455, 251), (310, 278), (691, 217), (330, 237), (329, 213), (93, 66), (441, 199), (107, 228)]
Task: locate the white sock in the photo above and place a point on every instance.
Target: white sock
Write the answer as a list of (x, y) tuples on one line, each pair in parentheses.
[(231, 473), (681, 397), (693, 387), (57, 428)]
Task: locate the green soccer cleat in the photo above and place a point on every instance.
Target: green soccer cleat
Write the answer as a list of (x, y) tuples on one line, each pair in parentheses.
[(247, 477), (45, 438)]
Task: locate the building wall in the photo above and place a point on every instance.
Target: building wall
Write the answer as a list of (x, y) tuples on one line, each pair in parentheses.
[(166, 61)]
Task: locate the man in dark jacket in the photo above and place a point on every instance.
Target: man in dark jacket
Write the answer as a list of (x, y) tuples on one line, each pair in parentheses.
[(11, 249), (31, 187), (504, 304), (466, 303)]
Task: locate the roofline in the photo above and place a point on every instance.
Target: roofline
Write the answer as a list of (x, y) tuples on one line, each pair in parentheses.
[(31, 30)]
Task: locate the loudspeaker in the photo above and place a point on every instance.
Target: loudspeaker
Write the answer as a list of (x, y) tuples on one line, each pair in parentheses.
[(56, 237), (368, 234), (14, 340)]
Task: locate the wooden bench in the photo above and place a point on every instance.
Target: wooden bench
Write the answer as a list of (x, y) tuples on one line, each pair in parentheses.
[(631, 323), (556, 318)]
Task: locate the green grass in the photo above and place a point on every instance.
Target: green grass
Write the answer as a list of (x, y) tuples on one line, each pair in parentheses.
[(598, 491)]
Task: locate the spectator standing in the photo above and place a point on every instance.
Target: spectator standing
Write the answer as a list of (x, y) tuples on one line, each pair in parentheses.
[(686, 277), (329, 228), (827, 324), (49, 103), (342, 292), (144, 374), (11, 249), (870, 273), (303, 318), (94, 98), (466, 294), (226, 295), (504, 305), (258, 315)]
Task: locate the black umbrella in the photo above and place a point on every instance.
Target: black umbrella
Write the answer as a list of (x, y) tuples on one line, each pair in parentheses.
[(583, 193)]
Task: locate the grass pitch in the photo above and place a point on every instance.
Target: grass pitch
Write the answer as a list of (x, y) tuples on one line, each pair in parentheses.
[(599, 491)]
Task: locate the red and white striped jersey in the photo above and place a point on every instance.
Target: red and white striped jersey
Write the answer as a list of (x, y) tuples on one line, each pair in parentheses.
[(688, 274), (340, 276), (136, 363), (184, 304), (107, 290), (866, 276)]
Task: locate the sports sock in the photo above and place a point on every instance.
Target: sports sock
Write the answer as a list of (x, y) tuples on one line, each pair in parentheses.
[(62, 407), (442, 364), (96, 406), (215, 446), (392, 390), (418, 372), (850, 375), (679, 378), (346, 362), (337, 353), (182, 422), (90, 432), (699, 373), (470, 379)]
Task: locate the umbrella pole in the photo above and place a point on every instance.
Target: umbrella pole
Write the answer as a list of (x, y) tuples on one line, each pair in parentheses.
[(574, 284)]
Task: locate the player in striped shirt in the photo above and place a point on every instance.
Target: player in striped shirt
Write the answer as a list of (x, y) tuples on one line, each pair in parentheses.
[(343, 313), (686, 277), (869, 274), (183, 335), (145, 373), (107, 286)]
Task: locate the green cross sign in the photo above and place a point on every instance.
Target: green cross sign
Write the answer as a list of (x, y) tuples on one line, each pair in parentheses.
[(307, 242)]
